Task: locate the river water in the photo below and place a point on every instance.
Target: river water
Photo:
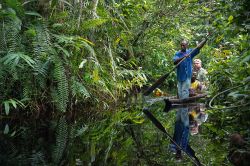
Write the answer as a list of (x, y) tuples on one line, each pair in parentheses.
[(179, 134)]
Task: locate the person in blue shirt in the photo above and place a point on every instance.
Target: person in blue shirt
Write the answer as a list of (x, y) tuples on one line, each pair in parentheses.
[(184, 68), (183, 60)]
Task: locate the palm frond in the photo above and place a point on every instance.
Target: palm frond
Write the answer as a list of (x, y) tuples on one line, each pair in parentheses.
[(41, 68), (14, 58), (77, 42)]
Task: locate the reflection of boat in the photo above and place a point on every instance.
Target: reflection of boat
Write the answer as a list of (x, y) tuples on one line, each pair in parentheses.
[(175, 100), (189, 105), (187, 100)]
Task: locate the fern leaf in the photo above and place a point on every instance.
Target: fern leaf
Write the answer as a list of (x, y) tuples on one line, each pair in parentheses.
[(41, 42), (37, 158), (62, 93), (61, 141)]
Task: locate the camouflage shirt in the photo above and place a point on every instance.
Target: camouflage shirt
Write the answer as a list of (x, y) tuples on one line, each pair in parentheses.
[(202, 77)]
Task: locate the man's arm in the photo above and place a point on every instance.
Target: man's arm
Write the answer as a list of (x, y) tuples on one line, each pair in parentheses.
[(202, 44), (196, 51), (178, 60)]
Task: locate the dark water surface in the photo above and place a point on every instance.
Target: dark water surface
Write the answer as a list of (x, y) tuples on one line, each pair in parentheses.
[(164, 134)]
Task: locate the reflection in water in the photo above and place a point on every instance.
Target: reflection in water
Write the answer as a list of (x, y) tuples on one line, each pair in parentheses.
[(188, 120), (189, 116), (197, 116)]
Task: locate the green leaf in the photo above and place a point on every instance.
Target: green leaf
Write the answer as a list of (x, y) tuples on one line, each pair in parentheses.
[(13, 102), (206, 9), (8, 58), (6, 129), (138, 121), (13, 58), (230, 19), (246, 59), (13, 134), (81, 131), (16, 5), (93, 23), (95, 74), (63, 50), (7, 107), (92, 151), (247, 79), (31, 13), (66, 2), (28, 60), (57, 25), (82, 63), (87, 41), (31, 32)]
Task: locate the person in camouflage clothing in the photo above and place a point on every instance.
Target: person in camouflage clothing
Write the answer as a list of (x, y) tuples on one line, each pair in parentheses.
[(201, 73)]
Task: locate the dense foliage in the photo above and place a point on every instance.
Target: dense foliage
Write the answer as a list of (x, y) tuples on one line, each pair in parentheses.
[(71, 73)]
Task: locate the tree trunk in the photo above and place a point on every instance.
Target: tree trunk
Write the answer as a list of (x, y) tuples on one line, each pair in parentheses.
[(95, 4)]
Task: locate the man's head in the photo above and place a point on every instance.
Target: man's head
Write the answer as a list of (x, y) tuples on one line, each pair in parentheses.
[(184, 45), (197, 64)]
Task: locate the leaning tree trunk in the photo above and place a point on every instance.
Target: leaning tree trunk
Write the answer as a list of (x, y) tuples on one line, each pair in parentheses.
[(95, 4)]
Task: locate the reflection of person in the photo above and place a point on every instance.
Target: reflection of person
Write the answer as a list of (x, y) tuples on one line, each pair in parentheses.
[(187, 122), (201, 72), (181, 131), (184, 69), (196, 118)]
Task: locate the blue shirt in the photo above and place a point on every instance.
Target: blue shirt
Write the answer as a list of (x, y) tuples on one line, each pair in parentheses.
[(184, 70)]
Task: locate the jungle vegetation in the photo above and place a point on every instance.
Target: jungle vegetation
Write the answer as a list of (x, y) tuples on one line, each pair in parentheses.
[(72, 73)]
